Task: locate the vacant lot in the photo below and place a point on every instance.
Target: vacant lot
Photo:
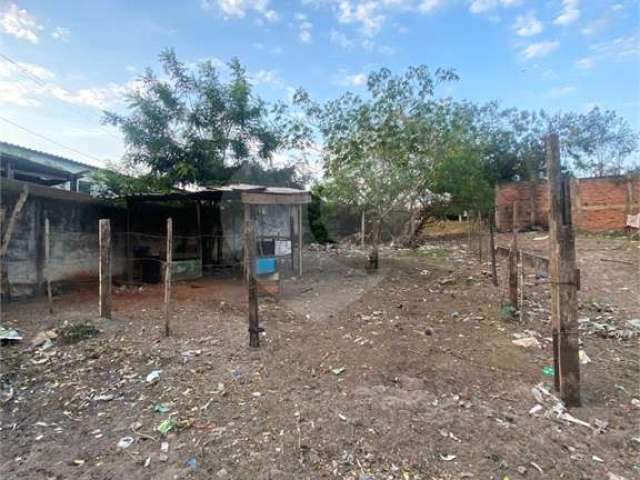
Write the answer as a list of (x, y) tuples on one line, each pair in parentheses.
[(408, 373)]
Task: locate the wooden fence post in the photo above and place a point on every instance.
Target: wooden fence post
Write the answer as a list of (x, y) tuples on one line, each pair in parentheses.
[(300, 241), (47, 261), (362, 229), (492, 246), (513, 258), (521, 299), (563, 278), (252, 288), (104, 303), (168, 267)]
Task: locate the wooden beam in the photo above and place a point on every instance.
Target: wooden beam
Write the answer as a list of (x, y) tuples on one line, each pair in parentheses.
[(362, 229), (563, 281), (168, 267), (104, 302), (300, 241), (47, 261), (252, 289), (255, 198)]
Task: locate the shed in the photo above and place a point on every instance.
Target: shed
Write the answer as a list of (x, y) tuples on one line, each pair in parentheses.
[(209, 226)]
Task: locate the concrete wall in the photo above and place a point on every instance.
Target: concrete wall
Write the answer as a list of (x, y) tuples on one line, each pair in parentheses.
[(73, 221), (597, 204)]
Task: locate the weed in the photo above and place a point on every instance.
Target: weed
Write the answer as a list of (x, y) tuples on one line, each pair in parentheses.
[(77, 332)]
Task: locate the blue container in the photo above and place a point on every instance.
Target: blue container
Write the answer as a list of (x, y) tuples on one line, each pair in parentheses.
[(265, 265)]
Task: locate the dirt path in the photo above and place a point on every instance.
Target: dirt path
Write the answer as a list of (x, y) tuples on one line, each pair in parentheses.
[(409, 373)]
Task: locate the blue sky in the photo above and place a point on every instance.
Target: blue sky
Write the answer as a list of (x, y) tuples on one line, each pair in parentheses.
[(77, 58)]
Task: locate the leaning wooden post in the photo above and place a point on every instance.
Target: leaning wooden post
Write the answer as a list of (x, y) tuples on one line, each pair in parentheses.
[(513, 271), (47, 260), (168, 267), (104, 302), (492, 246), (563, 279), (362, 229), (252, 288), (300, 241)]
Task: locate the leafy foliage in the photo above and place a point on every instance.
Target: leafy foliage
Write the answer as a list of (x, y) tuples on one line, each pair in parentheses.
[(191, 127)]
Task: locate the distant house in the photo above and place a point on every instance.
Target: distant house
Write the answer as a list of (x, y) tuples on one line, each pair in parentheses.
[(34, 166)]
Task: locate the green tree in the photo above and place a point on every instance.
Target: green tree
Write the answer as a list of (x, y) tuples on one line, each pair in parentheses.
[(378, 149), (599, 142), (191, 127)]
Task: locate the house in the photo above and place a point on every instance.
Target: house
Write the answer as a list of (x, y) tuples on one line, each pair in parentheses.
[(208, 227), (34, 166)]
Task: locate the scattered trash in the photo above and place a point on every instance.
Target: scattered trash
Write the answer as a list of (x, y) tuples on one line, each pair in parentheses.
[(167, 425), (164, 447), (584, 358), (42, 338), (342, 417), (338, 370), (548, 371), (192, 463), (147, 462), (103, 398), (537, 239), (9, 334), (448, 458), (536, 409), (6, 393), (536, 466), (78, 462), (613, 476), (125, 442), (597, 459), (527, 342), (635, 402), (160, 408), (154, 376)]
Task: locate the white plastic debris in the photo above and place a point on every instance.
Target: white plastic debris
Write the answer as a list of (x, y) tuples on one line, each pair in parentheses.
[(448, 458), (154, 376), (527, 342), (125, 442)]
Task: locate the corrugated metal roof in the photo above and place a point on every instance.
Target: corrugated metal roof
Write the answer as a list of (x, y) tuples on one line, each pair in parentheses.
[(44, 158)]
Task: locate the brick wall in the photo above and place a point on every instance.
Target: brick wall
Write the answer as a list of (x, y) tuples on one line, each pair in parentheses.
[(597, 203)]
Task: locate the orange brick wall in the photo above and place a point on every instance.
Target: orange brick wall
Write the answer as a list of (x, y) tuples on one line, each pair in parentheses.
[(597, 203)]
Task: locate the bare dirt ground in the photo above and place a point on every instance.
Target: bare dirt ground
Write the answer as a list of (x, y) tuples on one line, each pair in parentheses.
[(410, 373)]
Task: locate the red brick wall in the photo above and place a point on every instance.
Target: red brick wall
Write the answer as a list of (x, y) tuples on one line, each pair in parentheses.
[(597, 203)]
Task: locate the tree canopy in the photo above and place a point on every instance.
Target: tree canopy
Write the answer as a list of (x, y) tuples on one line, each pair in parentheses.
[(190, 126)]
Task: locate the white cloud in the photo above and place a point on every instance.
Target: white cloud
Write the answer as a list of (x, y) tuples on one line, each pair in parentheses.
[(619, 48), (351, 80), (18, 23), (528, 25), (366, 13), (239, 8), (484, 6), (585, 63), (266, 77), (557, 92), (61, 33), (304, 28), (8, 70), (428, 6), (341, 40), (17, 93), (539, 49), (570, 12)]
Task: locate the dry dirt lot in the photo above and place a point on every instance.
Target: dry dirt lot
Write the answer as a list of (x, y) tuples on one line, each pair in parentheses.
[(410, 373)]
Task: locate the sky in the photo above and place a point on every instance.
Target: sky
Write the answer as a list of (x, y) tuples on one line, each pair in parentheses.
[(63, 62)]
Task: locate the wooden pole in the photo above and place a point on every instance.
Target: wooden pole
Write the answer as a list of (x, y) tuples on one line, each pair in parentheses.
[(563, 279), (47, 260), (513, 258), (362, 229), (479, 238), (252, 289), (292, 234), (168, 267), (104, 303), (521, 299), (247, 247), (300, 242), (492, 246)]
